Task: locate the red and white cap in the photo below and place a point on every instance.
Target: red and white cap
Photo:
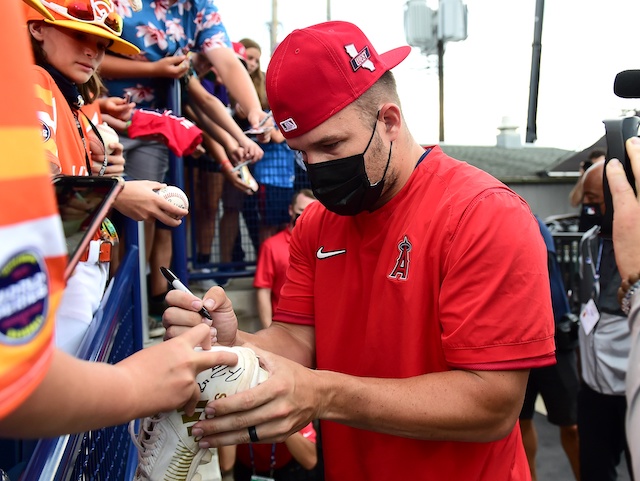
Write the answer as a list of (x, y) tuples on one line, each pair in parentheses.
[(241, 52), (317, 71)]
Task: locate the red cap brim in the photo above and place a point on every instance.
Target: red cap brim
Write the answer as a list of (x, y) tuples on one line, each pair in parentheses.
[(395, 56)]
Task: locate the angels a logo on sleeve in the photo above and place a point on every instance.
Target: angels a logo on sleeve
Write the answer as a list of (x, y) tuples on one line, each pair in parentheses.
[(401, 269), (360, 58)]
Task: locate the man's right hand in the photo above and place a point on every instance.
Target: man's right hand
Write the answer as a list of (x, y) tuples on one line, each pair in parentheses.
[(183, 313)]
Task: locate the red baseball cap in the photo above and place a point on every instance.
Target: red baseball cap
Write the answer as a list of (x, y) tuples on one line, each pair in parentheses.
[(317, 71), (240, 50)]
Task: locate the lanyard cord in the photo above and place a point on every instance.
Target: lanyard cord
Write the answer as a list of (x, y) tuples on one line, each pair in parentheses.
[(595, 269), (272, 463), (103, 168)]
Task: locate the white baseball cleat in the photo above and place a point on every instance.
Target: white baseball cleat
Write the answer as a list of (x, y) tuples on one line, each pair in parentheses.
[(166, 449)]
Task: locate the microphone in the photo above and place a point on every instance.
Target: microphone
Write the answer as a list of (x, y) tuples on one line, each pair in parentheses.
[(627, 84)]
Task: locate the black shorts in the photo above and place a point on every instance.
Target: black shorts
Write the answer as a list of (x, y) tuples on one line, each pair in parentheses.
[(558, 385), (203, 163)]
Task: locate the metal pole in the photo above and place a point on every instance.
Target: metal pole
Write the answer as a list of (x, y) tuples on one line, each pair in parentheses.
[(274, 24), (176, 174), (535, 73), (441, 85), (328, 10)]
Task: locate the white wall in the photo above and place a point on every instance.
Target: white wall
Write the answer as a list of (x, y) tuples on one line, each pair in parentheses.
[(546, 199)]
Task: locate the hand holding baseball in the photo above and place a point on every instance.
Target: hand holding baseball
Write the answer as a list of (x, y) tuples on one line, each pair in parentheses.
[(139, 200), (174, 196)]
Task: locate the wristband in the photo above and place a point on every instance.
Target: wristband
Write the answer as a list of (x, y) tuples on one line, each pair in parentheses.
[(627, 288), (225, 165)]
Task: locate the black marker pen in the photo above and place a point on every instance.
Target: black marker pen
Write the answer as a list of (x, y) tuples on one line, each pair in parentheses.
[(176, 284)]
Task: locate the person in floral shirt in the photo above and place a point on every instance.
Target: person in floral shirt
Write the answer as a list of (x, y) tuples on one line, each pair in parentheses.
[(164, 31)]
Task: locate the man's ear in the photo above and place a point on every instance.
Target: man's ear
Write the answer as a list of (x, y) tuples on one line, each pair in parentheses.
[(391, 115)]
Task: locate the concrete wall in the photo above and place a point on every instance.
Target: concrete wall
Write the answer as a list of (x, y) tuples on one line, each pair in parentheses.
[(546, 199)]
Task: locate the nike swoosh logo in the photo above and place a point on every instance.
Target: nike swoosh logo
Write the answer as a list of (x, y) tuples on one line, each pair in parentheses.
[(322, 254)]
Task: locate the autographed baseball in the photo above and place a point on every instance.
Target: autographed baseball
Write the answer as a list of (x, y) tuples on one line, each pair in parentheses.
[(175, 195)]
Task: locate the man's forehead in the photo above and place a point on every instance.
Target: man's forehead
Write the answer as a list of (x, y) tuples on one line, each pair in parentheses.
[(595, 172), (335, 128)]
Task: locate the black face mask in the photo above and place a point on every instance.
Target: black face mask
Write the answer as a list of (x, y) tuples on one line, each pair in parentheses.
[(342, 185), (590, 215)]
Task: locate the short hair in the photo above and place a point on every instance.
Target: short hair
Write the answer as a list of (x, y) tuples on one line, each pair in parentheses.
[(596, 153), (305, 192), (383, 90)]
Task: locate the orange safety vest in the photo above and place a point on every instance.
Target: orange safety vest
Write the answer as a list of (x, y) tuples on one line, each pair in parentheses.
[(32, 246)]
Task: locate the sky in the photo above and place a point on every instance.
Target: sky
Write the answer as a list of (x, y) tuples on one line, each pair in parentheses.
[(487, 76)]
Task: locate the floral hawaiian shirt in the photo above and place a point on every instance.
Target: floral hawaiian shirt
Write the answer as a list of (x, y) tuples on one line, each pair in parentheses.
[(160, 30)]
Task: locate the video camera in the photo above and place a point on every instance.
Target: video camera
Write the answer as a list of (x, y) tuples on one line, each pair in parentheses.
[(618, 131)]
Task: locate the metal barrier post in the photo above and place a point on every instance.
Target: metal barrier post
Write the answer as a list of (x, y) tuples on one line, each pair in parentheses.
[(176, 176), (134, 238)]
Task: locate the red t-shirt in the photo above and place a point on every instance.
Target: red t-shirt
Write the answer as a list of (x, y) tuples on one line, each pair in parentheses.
[(450, 274), (273, 260)]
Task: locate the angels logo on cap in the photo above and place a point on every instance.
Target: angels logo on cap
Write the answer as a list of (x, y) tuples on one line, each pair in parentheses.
[(317, 71)]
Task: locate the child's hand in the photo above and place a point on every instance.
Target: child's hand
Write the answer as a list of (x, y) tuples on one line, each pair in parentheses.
[(117, 107), (115, 160), (172, 67)]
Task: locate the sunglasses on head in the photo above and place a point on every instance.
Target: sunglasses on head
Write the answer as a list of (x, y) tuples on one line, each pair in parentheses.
[(96, 12)]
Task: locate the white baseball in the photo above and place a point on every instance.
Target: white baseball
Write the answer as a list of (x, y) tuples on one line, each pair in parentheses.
[(108, 136), (175, 195)]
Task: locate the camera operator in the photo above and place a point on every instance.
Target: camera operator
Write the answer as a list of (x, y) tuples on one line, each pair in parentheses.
[(626, 239), (604, 346), (575, 196)]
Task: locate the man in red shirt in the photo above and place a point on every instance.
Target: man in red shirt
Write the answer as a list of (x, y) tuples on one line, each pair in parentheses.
[(273, 260), (417, 288)]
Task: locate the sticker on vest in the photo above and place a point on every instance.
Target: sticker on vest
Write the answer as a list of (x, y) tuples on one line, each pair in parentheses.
[(589, 316), (24, 302)]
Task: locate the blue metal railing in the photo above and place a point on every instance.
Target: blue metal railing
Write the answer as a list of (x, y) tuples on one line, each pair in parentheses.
[(115, 333), (176, 176)]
